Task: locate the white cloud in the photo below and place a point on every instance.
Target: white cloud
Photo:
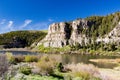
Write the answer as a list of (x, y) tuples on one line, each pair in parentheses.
[(40, 25), (26, 23), (6, 26), (10, 24), (3, 21)]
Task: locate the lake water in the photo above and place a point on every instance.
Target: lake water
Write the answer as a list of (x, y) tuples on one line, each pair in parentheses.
[(73, 58)]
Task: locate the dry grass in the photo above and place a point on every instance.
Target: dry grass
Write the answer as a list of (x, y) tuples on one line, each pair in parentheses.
[(47, 64), (106, 60), (3, 64), (109, 74), (84, 68), (118, 60)]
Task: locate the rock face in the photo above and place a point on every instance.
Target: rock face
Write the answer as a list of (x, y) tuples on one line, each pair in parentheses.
[(58, 35), (62, 34), (113, 36), (76, 35)]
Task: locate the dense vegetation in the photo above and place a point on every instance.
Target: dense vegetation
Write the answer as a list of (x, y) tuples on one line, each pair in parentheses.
[(21, 38), (101, 25)]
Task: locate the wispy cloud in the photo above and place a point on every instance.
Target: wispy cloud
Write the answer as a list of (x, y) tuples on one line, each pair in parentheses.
[(42, 25), (26, 23), (6, 26), (10, 24)]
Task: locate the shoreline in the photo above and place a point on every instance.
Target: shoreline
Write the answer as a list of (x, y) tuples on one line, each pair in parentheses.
[(99, 53), (16, 49)]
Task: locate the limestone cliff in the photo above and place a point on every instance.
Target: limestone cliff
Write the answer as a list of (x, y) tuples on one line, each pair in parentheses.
[(69, 33), (58, 35)]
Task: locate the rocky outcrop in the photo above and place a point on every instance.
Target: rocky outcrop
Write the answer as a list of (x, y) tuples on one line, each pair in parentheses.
[(112, 37), (58, 35), (69, 33), (76, 36)]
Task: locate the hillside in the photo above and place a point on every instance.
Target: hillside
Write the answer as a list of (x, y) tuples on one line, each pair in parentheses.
[(17, 39), (101, 25), (87, 33)]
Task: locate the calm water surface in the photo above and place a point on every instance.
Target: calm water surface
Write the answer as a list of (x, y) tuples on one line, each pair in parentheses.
[(73, 58)]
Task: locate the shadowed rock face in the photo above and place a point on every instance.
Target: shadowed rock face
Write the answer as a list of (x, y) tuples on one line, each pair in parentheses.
[(62, 34), (76, 35)]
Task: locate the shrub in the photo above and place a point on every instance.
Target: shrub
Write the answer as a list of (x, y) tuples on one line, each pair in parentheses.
[(46, 68), (25, 70), (10, 58), (19, 58), (47, 64), (31, 58), (60, 67), (13, 59), (53, 57)]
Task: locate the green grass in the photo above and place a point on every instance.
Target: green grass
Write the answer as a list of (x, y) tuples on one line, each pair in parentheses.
[(46, 31), (66, 49), (37, 77), (41, 48)]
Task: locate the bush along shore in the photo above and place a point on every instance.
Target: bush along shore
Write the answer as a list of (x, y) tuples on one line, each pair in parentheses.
[(77, 50), (44, 67)]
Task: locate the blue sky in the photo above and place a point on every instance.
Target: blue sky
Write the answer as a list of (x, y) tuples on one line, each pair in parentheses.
[(38, 14)]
